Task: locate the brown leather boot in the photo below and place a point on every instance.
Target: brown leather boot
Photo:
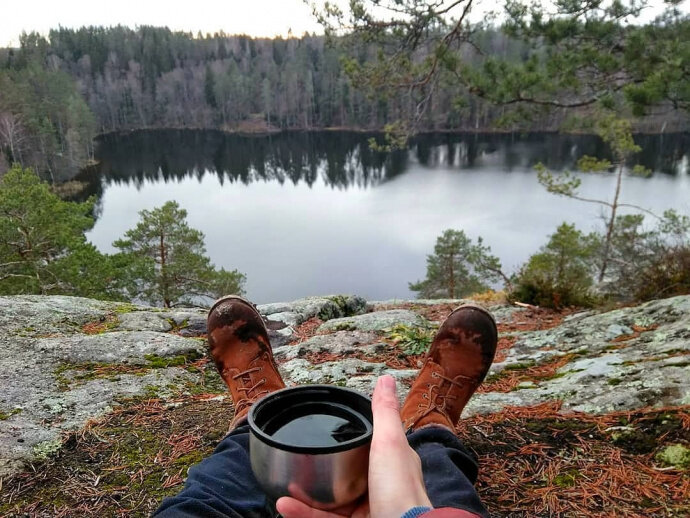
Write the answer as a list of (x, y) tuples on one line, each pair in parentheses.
[(456, 364), (238, 342)]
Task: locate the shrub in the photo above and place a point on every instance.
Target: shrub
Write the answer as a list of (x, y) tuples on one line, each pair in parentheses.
[(666, 276), (561, 273), (649, 263)]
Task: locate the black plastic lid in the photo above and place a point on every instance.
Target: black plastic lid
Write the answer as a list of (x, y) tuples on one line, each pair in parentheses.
[(307, 399)]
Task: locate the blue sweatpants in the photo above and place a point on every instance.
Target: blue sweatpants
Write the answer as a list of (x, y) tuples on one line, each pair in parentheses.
[(223, 484)]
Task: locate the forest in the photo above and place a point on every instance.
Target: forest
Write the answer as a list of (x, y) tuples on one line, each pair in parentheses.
[(112, 79), (581, 68), (60, 90)]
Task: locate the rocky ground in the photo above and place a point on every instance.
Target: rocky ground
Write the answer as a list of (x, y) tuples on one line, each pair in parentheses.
[(104, 406)]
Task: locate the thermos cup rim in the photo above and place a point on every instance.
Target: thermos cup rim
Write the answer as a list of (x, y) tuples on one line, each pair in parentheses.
[(339, 399)]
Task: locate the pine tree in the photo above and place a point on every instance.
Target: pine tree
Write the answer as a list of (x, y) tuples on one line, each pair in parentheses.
[(168, 263), (561, 273), (210, 88), (43, 249), (457, 267)]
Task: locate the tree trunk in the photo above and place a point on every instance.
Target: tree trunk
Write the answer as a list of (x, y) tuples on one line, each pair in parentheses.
[(610, 226), (451, 279), (164, 281)]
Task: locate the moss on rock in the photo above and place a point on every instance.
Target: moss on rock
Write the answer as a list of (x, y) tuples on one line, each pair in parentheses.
[(676, 455)]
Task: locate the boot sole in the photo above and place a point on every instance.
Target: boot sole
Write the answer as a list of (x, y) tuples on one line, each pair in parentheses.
[(478, 308), (241, 299), (484, 312)]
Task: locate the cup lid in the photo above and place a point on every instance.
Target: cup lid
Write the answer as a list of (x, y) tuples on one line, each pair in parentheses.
[(282, 406)]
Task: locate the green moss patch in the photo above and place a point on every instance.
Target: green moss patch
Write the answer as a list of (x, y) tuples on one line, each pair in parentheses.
[(6, 415), (340, 310), (567, 479), (646, 435), (521, 366), (343, 306), (676, 455), (345, 326), (161, 362), (69, 375), (125, 308)]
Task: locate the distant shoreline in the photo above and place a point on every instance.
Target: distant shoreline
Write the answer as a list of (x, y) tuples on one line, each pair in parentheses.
[(277, 131)]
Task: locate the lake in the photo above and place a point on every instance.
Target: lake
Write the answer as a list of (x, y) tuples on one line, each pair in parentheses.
[(320, 213)]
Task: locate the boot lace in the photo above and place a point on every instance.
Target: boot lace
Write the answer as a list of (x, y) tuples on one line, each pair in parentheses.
[(438, 401), (248, 389)]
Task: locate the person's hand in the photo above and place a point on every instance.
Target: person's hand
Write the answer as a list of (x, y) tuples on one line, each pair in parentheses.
[(395, 471)]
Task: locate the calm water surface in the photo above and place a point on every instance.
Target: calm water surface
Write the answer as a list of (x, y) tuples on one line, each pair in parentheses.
[(317, 213)]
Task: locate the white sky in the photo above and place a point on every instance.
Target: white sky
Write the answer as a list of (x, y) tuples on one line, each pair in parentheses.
[(253, 17)]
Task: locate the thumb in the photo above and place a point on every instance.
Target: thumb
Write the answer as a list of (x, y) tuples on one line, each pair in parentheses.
[(291, 508), (386, 410)]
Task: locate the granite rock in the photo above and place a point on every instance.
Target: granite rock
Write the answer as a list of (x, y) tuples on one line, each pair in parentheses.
[(376, 321)]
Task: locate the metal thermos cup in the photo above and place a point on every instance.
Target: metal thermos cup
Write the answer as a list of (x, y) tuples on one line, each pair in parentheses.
[(324, 477)]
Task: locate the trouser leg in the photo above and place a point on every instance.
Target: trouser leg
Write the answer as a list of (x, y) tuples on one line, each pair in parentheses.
[(223, 484), (450, 471)]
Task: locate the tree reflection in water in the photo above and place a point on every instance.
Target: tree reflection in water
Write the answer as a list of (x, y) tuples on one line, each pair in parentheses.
[(344, 159)]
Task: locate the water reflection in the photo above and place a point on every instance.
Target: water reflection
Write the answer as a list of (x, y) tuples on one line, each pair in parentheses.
[(314, 213), (342, 160), (661, 153)]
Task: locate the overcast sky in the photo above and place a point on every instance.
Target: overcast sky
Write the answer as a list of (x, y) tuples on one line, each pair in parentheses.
[(254, 17)]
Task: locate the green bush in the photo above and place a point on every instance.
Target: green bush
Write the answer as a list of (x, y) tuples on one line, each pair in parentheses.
[(649, 262), (561, 274), (666, 276)]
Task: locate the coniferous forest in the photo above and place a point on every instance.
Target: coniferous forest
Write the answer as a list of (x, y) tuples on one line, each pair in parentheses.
[(586, 67), (61, 90)]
